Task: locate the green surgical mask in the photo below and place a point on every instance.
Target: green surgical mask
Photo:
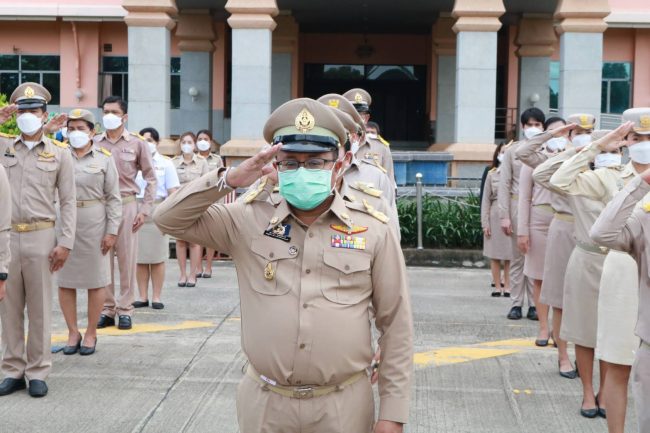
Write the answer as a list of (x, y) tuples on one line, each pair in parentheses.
[(305, 189)]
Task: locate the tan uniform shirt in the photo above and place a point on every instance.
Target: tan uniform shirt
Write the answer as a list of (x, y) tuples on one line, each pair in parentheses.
[(489, 197), (131, 155), (622, 227), (214, 161), (188, 171), (36, 176), (530, 195), (305, 290), (96, 178), (509, 181), (530, 151), (5, 222), (378, 154), (542, 176)]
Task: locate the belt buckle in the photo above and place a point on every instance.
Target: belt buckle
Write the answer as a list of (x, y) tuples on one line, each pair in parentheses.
[(604, 250), (22, 227), (303, 392)]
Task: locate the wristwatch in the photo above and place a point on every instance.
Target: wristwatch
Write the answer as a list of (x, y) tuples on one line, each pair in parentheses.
[(3, 276)]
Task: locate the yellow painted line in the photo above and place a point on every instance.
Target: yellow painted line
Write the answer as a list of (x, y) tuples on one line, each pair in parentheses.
[(516, 342), (142, 328)]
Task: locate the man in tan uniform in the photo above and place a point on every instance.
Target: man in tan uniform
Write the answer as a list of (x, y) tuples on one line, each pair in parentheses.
[(308, 267), (131, 155), (39, 170), (374, 150), (624, 225), (507, 198), (5, 227)]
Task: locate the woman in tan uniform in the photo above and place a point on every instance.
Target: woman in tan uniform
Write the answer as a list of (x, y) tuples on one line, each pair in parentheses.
[(205, 143), (99, 211), (189, 166), (496, 245)]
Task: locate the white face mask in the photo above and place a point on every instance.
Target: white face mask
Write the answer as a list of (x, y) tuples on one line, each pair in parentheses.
[(371, 135), (64, 132), (78, 139), (187, 148), (582, 140), (354, 147), (29, 123), (500, 157), (111, 121), (152, 147), (203, 145), (556, 143), (640, 152), (531, 132), (607, 160)]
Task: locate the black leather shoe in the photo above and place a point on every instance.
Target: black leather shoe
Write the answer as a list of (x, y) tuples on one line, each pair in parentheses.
[(37, 388), (506, 294), (85, 350), (568, 374), (124, 322), (71, 350), (10, 385), (602, 412), (496, 294), (140, 304), (515, 313), (105, 321), (589, 413), (157, 305), (532, 314)]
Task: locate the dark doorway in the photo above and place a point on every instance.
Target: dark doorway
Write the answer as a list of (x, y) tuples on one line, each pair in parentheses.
[(398, 96)]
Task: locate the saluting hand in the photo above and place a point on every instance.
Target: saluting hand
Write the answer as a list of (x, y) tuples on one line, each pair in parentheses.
[(384, 426), (107, 243), (615, 139), (6, 112), (138, 222), (246, 173), (57, 258), (55, 123), (562, 130)]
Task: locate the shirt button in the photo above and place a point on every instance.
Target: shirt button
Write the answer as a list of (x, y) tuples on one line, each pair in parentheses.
[(302, 346), (298, 382), (347, 267), (311, 235), (305, 305), (308, 271), (271, 255)]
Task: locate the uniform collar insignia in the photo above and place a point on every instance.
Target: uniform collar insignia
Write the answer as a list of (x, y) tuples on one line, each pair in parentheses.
[(340, 210), (282, 211)]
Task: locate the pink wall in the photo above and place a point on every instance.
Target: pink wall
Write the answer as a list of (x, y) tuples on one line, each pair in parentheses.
[(116, 34), (512, 88), (24, 37), (641, 88), (618, 45), (88, 37), (219, 69), (629, 5)]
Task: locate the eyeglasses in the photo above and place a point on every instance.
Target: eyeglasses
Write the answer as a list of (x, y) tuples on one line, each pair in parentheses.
[(310, 164)]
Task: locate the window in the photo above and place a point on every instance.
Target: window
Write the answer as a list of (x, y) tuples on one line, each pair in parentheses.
[(554, 85), (616, 92), (114, 79), (45, 70), (370, 72)]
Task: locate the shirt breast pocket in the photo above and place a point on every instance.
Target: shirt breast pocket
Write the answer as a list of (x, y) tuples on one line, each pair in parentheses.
[(127, 160), (46, 172), (277, 268), (346, 277)]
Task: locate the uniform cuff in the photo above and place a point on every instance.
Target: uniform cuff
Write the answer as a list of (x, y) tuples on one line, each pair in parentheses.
[(65, 242), (145, 209), (112, 229), (394, 409)]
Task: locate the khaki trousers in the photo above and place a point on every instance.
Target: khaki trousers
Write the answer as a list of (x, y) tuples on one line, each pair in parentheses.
[(351, 410), (29, 285), (126, 250), (520, 285), (641, 387)]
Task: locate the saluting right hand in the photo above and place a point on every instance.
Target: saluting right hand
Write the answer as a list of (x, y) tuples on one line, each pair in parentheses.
[(6, 112), (615, 139), (246, 173), (562, 130)]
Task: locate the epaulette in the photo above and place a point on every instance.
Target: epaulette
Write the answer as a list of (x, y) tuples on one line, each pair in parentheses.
[(58, 143), (509, 144), (105, 151), (375, 213), (492, 169), (254, 193), (165, 156), (367, 188), (5, 135), (374, 161), (135, 134), (382, 141)]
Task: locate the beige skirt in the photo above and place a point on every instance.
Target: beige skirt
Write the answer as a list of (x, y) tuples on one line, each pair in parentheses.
[(153, 245), (498, 246), (618, 307), (540, 220), (581, 285), (559, 246), (86, 267)]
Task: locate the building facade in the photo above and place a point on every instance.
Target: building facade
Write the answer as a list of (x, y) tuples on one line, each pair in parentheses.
[(444, 74)]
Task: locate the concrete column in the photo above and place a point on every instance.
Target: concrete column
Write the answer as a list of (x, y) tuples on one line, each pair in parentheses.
[(252, 25), (476, 74), (581, 30), (535, 38), (284, 75), (444, 40), (196, 41), (149, 24)]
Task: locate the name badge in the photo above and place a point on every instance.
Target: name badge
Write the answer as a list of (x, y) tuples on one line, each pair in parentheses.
[(279, 232)]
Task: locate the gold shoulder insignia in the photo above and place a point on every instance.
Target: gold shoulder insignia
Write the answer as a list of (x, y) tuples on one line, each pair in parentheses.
[(135, 134), (276, 189), (492, 169), (5, 135), (509, 144), (383, 141), (58, 143), (105, 151), (375, 158), (251, 196), (368, 189), (375, 213)]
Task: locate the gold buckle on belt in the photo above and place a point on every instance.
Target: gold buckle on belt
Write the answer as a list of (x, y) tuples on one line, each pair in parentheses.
[(22, 227), (303, 392)]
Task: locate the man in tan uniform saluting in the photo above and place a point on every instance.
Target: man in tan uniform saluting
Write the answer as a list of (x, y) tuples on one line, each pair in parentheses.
[(131, 155), (308, 267), (5, 227), (38, 169)]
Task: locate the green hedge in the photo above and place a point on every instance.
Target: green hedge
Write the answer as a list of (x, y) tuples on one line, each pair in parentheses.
[(8, 127), (446, 222)]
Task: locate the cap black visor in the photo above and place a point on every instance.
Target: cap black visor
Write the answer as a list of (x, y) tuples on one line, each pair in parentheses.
[(306, 143), (27, 104), (362, 108)]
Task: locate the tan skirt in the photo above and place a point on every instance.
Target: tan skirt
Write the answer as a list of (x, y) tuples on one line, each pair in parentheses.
[(581, 284), (618, 307), (498, 246), (540, 220), (86, 267), (559, 246), (153, 245)]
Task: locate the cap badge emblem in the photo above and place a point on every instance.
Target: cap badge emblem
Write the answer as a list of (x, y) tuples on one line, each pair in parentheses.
[(29, 92), (584, 120), (334, 103), (645, 121), (305, 121), (76, 113), (358, 98)]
